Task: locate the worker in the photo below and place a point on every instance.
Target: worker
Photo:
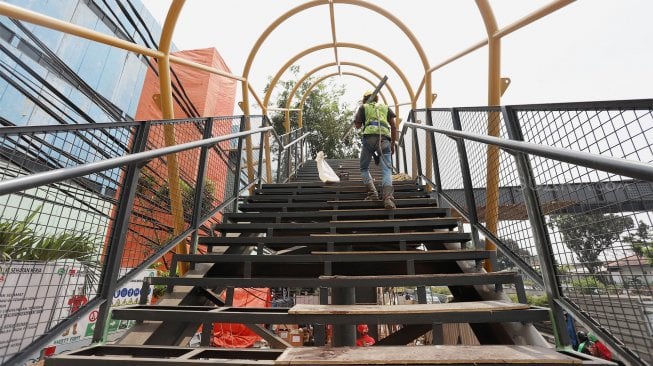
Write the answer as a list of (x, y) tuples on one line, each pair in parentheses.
[(598, 349), (364, 338), (583, 342), (379, 136)]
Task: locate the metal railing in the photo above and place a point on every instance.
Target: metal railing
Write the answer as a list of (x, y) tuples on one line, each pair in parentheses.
[(572, 199), (292, 150), (85, 211)]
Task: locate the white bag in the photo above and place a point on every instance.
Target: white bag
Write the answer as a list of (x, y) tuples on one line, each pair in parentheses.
[(326, 173)]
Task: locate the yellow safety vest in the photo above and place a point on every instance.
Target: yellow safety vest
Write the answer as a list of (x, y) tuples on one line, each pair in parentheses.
[(376, 117)]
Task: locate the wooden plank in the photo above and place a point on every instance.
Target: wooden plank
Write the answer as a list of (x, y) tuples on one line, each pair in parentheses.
[(450, 307), (425, 355)]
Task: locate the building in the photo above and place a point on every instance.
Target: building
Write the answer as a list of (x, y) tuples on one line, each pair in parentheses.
[(48, 77)]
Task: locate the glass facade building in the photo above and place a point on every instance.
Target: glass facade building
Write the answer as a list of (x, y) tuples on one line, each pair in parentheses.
[(48, 77)]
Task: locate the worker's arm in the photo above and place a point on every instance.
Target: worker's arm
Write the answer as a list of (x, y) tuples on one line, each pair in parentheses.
[(393, 134), (360, 118)]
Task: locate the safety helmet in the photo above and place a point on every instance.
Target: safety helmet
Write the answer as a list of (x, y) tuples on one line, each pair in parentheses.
[(582, 336), (362, 328), (367, 94)]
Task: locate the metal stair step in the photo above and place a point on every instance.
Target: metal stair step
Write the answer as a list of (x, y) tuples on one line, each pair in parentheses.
[(318, 184), (444, 279), (359, 188), (150, 355), (332, 263), (328, 215), (339, 239), (327, 196), (340, 226), (460, 312), (311, 206)]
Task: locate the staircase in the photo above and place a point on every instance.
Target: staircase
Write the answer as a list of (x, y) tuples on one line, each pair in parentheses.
[(325, 236)]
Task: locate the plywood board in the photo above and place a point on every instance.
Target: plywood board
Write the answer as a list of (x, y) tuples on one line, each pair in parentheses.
[(431, 355), (408, 308)]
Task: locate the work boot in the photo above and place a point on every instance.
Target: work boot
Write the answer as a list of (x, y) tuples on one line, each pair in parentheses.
[(372, 194), (388, 198)]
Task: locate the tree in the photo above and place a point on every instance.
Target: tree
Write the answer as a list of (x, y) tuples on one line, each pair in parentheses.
[(641, 241), (323, 114), (503, 262), (588, 235)]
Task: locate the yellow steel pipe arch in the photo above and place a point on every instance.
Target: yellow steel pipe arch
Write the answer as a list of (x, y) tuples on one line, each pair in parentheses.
[(322, 78), (310, 50), (370, 6), (418, 47), (165, 44), (318, 68)]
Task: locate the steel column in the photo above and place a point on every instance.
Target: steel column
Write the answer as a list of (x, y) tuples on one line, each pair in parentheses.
[(239, 159), (467, 181), (119, 236), (416, 154), (260, 161), (538, 227), (199, 186), (343, 334), (434, 153)]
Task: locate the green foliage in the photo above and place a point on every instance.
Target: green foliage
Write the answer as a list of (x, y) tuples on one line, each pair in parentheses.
[(442, 290), (188, 197), (159, 290), (641, 241), (19, 242), (588, 235), (322, 114), (535, 300), (587, 285), (503, 262)]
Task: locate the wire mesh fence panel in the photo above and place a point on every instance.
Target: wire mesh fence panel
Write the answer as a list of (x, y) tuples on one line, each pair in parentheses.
[(152, 222), (506, 206), (448, 160), (53, 237), (221, 167), (599, 223)]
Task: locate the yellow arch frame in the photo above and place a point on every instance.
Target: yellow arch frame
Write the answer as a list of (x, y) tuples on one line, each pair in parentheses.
[(345, 63), (310, 50), (322, 78), (164, 58)]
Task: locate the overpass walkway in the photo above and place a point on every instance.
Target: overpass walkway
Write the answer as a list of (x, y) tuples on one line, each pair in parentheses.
[(324, 236)]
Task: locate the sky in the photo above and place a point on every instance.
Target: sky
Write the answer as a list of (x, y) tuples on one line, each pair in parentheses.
[(588, 50)]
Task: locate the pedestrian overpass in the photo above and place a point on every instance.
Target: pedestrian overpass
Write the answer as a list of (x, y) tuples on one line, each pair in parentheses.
[(497, 180)]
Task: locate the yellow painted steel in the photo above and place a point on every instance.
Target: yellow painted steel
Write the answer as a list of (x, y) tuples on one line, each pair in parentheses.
[(19, 13), (322, 78), (491, 212), (167, 110), (369, 6), (333, 33), (307, 51), (496, 85), (448, 61), (344, 63), (528, 19)]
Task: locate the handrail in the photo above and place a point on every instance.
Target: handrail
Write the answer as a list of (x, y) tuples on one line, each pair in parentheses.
[(618, 166), (295, 141), (274, 133), (58, 175)]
